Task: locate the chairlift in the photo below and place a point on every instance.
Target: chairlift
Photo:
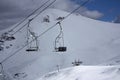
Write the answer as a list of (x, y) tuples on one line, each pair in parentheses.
[(59, 45), (77, 63), (31, 35), (61, 49), (32, 49)]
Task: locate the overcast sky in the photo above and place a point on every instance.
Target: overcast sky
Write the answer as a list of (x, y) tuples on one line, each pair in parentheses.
[(12, 11)]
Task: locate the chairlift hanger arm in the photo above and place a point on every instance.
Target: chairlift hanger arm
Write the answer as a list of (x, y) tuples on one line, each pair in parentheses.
[(60, 35), (60, 25), (33, 37), (29, 21), (61, 32)]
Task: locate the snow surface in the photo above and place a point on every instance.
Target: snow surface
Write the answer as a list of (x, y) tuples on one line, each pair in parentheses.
[(112, 61), (90, 41), (85, 73)]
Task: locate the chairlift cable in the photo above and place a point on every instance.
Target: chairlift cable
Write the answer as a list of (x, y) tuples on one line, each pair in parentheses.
[(30, 15), (35, 16), (43, 32)]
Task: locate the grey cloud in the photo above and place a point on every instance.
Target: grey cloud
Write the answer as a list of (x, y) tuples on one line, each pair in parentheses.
[(69, 5), (7, 6), (11, 11)]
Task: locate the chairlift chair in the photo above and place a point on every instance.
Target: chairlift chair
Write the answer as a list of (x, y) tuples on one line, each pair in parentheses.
[(60, 48), (31, 35), (32, 49)]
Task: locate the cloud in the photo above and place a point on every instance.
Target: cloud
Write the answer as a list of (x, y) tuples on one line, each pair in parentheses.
[(9, 13), (66, 5), (92, 14), (69, 5), (12, 11)]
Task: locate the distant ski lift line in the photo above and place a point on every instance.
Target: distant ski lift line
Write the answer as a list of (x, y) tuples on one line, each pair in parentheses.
[(33, 17), (84, 3)]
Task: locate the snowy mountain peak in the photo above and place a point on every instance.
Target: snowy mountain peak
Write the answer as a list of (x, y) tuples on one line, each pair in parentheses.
[(90, 41)]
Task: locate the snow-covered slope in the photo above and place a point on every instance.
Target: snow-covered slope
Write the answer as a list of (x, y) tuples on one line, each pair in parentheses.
[(90, 41), (85, 73), (113, 61)]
